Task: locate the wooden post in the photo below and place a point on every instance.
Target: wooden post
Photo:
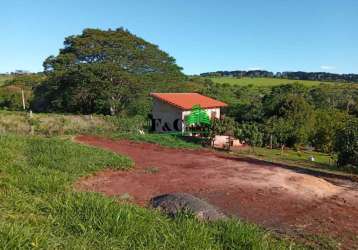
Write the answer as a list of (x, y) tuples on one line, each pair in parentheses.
[(23, 99), (229, 144)]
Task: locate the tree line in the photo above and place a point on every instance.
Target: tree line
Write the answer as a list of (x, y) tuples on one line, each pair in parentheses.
[(298, 75)]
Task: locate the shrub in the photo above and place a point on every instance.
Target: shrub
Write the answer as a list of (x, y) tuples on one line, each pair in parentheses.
[(347, 143), (251, 134)]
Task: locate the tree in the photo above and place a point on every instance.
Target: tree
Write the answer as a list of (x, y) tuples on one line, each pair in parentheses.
[(11, 97), (225, 126), (103, 72), (250, 134), (281, 129), (273, 101), (86, 89), (327, 122), (118, 47), (27, 81), (294, 111), (346, 144)]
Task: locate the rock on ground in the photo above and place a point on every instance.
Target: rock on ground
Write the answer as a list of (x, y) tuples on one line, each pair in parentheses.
[(176, 203)]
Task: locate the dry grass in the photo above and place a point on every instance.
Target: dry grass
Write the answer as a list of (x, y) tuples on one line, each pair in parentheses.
[(4, 78), (52, 124)]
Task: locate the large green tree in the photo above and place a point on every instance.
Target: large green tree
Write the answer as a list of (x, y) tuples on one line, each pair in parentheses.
[(103, 71)]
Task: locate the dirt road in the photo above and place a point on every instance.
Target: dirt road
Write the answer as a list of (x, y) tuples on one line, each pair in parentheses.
[(262, 193)]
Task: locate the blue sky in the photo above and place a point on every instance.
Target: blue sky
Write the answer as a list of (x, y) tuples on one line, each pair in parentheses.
[(203, 35)]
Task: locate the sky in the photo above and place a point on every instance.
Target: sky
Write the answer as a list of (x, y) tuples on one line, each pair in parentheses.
[(203, 35)]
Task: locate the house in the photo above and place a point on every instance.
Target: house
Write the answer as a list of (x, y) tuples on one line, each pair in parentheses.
[(171, 109)]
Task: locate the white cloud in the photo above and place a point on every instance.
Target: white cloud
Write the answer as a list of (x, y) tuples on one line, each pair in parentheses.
[(327, 67), (254, 68)]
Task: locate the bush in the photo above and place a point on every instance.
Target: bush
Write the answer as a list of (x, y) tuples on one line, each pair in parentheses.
[(250, 134), (226, 126), (327, 122), (347, 143)]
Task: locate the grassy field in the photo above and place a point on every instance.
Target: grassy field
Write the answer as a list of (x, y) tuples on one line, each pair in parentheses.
[(3, 79), (50, 125), (263, 82), (300, 157), (61, 124), (40, 210), (323, 162)]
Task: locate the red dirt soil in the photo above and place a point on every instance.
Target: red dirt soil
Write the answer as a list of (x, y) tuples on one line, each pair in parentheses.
[(270, 195)]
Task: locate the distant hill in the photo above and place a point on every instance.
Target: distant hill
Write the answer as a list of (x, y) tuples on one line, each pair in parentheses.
[(299, 75), (265, 81)]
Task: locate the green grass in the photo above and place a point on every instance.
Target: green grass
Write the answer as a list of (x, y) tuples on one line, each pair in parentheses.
[(295, 156), (264, 82), (40, 210), (323, 162), (166, 140)]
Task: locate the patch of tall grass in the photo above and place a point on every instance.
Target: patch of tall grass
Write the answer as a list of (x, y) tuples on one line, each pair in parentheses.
[(56, 124)]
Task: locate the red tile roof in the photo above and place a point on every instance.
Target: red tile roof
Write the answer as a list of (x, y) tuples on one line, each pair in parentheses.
[(186, 101)]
